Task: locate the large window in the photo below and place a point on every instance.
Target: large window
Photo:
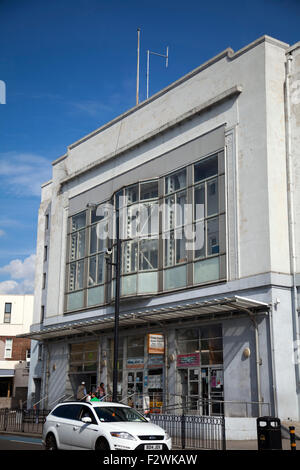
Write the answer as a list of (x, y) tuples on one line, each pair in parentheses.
[(172, 232)]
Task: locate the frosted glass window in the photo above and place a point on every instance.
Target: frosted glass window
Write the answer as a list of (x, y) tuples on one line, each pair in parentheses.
[(128, 284), (206, 270), (147, 282), (75, 300), (96, 295), (175, 277)]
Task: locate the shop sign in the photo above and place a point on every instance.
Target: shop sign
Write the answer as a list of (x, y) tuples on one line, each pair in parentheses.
[(156, 343), (135, 363), (156, 360), (188, 360)]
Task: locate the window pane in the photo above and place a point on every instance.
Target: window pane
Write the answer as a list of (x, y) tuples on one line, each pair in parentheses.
[(92, 271), (128, 284), (212, 236), (100, 277), (199, 202), (147, 282), (73, 247), (212, 197), (180, 247), (175, 181), (149, 190), (206, 168), (81, 244), (175, 277), (75, 300), (96, 296), (170, 249), (132, 194), (93, 240), (199, 244), (169, 213), (180, 208), (130, 257), (80, 269), (7, 308), (148, 254), (206, 270), (72, 276), (78, 221), (148, 219)]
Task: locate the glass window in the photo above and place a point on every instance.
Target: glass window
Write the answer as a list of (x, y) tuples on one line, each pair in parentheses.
[(130, 250), (148, 254), (212, 197), (67, 411), (135, 346), (7, 312), (132, 194), (78, 221), (8, 349), (206, 168), (212, 236), (149, 190), (175, 181), (199, 202)]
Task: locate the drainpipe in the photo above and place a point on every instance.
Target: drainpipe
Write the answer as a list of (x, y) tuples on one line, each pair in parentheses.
[(291, 218)]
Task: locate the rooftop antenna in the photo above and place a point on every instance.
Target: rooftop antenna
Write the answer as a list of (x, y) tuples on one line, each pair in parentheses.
[(166, 56), (138, 67)]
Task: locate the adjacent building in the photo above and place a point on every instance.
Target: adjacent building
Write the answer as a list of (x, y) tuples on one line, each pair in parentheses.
[(16, 319), (202, 182)]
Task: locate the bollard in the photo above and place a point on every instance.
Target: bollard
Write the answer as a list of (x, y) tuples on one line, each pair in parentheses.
[(292, 437)]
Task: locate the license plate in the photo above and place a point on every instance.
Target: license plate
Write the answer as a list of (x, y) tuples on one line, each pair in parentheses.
[(153, 446)]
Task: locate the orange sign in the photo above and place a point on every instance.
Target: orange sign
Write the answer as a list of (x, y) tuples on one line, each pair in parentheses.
[(156, 343)]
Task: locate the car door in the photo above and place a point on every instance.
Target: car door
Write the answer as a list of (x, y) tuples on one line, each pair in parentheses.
[(68, 416), (85, 434)]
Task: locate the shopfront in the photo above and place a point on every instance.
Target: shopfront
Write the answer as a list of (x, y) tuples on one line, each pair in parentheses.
[(200, 375)]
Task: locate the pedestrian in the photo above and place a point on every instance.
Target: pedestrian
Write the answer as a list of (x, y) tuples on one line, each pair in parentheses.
[(81, 391), (94, 397), (100, 392)]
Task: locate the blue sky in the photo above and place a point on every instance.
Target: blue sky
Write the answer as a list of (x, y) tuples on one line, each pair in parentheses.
[(70, 66)]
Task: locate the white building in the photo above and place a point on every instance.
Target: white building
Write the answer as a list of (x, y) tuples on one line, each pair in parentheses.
[(225, 140), (16, 319)]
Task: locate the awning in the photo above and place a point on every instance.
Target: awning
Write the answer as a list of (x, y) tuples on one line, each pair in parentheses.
[(163, 315), (7, 373)]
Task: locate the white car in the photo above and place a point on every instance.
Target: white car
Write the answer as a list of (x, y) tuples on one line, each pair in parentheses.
[(101, 426)]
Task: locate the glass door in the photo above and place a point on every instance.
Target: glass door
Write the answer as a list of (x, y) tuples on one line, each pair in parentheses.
[(135, 387), (212, 391)]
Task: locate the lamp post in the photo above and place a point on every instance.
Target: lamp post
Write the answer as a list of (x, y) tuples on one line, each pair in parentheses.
[(117, 302)]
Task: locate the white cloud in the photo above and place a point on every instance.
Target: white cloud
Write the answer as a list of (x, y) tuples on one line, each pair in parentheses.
[(23, 173), (21, 274)]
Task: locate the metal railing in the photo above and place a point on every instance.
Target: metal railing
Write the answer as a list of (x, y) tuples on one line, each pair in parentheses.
[(25, 421)]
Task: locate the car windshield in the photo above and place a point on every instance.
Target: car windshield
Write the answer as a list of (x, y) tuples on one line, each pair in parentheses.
[(111, 414)]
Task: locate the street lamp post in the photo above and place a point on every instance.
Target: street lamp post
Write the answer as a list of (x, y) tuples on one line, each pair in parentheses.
[(117, 304)]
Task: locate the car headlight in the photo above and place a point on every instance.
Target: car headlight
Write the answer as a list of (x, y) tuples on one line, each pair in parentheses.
[(123, 435), (167, 436)]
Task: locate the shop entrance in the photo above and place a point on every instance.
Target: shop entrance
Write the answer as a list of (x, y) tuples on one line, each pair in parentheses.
[(202, 389), (135, 385)]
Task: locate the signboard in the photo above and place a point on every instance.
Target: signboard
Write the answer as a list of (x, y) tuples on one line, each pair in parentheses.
[(156, 343), (188, 360), (135, 363), (156, 360)]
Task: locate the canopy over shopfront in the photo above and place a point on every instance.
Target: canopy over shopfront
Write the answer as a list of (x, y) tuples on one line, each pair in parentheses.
[(227, 306)]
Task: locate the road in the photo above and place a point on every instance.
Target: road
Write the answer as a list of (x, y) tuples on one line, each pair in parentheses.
[(17, 442)]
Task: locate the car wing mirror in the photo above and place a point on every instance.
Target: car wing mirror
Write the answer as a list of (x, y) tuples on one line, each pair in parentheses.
[(86, 419)]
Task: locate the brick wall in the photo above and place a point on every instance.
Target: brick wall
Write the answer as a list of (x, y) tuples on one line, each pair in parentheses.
[(19, 347)]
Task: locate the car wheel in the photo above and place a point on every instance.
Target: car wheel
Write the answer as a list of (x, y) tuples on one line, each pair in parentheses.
[(102, 445), (50, 442)]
